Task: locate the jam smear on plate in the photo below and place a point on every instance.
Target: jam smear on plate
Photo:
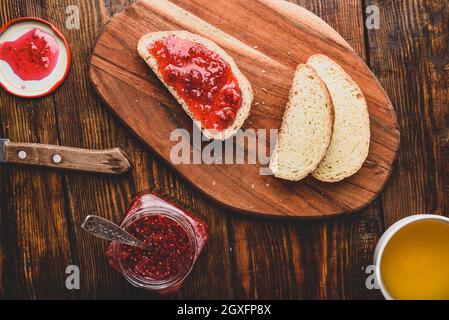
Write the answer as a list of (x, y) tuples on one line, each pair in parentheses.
[(202, 78), (32, 56)]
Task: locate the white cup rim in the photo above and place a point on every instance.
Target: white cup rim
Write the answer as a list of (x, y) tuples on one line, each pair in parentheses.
[(386, 237)]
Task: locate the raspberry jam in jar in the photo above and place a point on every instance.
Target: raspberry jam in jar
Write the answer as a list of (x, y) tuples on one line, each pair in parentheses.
[(174, 240), (202, 78)]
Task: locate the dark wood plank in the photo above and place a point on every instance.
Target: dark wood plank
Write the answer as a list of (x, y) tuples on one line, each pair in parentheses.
[(133, 93), (409, 54), (247, 257), (4, 176), (34, 225), (87, 123), (318, 259), (340, 249)]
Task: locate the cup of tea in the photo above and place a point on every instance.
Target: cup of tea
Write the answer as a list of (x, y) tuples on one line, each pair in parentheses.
[(412, 259)]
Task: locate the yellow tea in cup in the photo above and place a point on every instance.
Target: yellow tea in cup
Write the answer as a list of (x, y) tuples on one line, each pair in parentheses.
[(415, 262)]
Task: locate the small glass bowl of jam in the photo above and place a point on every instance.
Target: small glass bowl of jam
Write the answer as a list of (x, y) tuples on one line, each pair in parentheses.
[(174, 239)]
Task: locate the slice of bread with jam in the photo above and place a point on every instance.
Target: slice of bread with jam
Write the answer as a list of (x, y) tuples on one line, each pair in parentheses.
[(203, 78)]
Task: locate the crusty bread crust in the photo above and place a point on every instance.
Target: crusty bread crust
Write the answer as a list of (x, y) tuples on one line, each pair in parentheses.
[(306, 129), (349, 146), (244, 84)]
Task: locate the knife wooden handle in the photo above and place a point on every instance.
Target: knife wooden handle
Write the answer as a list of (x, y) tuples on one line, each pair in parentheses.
[(112, 161)]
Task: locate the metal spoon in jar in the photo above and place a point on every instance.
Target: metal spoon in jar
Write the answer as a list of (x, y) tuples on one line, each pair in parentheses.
[(106, 229)]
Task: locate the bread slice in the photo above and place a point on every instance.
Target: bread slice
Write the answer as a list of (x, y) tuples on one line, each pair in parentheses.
[(306, 127), (349, 146), (244, 84)]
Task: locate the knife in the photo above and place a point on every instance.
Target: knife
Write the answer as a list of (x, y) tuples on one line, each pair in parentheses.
[(111, 161)]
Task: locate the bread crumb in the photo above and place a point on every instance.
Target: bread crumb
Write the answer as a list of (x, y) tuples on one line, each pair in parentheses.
[(255, 47), (263, 71), (252, 187), (289, 53), (214, 183), (256, 104), (264, 90), (267, 184)]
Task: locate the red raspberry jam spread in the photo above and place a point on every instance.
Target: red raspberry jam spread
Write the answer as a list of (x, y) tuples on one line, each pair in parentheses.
[(169, 252), (174, 238), (202, 78), (32, 56)]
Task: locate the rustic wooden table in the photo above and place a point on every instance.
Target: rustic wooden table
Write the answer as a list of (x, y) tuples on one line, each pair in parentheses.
[(41, 210)]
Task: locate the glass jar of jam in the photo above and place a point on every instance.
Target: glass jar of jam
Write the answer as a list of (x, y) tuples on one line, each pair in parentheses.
[(174, 239)]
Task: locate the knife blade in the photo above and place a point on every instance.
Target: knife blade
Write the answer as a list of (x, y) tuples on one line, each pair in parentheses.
[(109, 161)]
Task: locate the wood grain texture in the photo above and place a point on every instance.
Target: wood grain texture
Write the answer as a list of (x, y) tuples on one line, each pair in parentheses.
[(41, 211), (327, 259), (267, 50), (32, 221), (341, 247), (410, 53), (92, 121), (110, 161)]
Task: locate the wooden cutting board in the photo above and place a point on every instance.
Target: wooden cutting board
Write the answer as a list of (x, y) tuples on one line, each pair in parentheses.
[(268, 39)]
